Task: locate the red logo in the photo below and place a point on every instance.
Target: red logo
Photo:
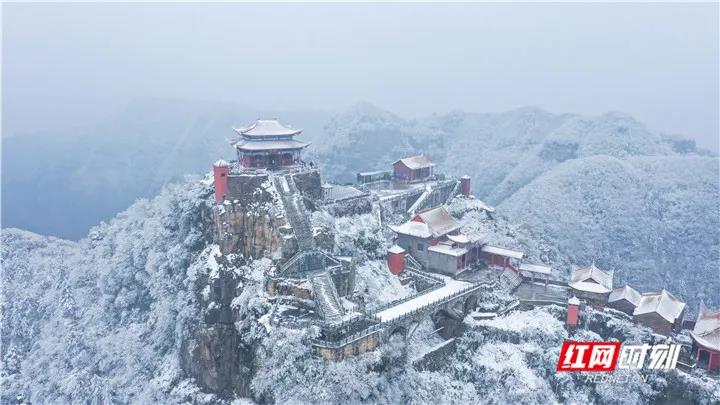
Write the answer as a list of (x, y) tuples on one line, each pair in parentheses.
[(588, 356)]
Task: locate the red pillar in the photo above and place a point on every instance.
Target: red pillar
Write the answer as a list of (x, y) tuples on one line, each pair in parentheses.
[(573, 312), (714, 361), (221, 169), (465, 185), (396, 259)]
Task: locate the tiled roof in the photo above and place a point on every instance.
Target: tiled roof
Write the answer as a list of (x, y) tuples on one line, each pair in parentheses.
[(707, 328), (591, 279), (627, 293), (268, 127), (661, 302), (416, 162)]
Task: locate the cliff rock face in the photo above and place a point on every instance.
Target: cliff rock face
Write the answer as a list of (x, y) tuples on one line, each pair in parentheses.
[(309, 184), (251, 222), (254, 233), (217, 357)]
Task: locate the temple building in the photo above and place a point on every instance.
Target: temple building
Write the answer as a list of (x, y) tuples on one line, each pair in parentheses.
[(433, 238), (267, 144), (660, 311), (625, 299), (592, 284), (413, 168), (706, 338)]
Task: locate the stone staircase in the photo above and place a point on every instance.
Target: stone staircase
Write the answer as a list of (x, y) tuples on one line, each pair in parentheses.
[(412, 264), (509, 279), (326, 297), (453, 193), (295, 211)]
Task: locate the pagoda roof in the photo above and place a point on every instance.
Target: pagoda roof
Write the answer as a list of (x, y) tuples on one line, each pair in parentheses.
[(661, 302), (627, 293), (591, 279), (252, 146), (707, 328), (267, 127), (416, 162)]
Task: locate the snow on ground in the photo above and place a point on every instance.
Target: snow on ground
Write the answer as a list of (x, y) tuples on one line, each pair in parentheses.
[(528, 323), (375, 282)]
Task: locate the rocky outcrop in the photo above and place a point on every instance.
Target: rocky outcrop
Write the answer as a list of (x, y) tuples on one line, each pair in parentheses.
[(253, 232), (219, 359), (251, 221)]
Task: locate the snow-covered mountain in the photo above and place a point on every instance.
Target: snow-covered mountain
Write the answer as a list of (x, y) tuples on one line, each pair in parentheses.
[(527, 161), (604, 189), (655, 219), (130, 315)]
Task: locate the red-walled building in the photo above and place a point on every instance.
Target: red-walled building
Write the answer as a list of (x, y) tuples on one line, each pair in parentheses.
[(706, 338), (268, 144), (413, 168)]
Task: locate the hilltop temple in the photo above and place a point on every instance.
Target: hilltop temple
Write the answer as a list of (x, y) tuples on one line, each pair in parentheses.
[(268, 144)]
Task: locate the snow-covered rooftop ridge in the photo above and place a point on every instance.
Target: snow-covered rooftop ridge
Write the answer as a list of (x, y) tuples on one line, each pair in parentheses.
[(221, 163), (439, 221), (661, 302), (535, 268), (502, 252), (413, 228), (707, 321), (573, 300), (447, 249), (627, 293), (416, 162), (460, 238), (591, 279), (396, 249), (251, 145), (267, 127), (707, 328)]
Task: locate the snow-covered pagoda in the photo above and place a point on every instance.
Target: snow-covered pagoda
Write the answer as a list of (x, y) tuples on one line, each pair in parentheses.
[(268, 144)]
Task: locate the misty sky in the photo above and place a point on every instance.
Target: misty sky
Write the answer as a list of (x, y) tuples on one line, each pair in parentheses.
[(70, 65)]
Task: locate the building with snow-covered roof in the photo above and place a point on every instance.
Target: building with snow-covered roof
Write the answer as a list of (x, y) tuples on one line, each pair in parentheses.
[(660, 311), (591, 284), (413, 168), (432, 237), (706, 338), (625, 299), (268, 144)]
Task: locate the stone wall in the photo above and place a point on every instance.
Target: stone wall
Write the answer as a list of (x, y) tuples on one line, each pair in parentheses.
[(363, 345), (247, 186), (309, 184), (354, 206), (344, 279)]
